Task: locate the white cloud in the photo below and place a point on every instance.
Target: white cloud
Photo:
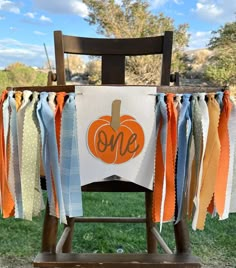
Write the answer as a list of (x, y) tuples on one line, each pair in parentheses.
[(12, 28), (35, 18), (30, 15), (76, 7), (199, 40), (159, 3), (39, 33), (9, 6), (12, 50), (178, 2), (45, 19), (179, 13), (215, 11)]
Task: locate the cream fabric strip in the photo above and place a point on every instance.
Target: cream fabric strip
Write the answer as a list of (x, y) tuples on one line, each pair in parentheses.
[(205, 126), (210, 161), (189, 171), (51, 100), (177, 102), (197, 140), (31, 190), (20, 118), (231, 184)]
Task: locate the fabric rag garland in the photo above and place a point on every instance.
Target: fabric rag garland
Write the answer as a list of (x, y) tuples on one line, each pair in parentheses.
[(194, 165), (203, 162)]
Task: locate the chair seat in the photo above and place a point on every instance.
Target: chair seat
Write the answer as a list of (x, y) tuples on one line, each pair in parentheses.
[(115, 260)]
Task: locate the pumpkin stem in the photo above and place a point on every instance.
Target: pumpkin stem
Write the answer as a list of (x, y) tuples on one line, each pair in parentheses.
[(115, 114)]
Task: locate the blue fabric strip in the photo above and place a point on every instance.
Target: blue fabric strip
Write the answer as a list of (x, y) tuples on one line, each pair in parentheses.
[(183, 139), (69, 162), (161, 114), (219, 97), (50, 151)]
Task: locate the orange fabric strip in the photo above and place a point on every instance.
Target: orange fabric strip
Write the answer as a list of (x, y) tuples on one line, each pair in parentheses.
[(55, 196), (58, 114), (211, 206), (169, 208), (18, 98), (7, 199), (223, 168)]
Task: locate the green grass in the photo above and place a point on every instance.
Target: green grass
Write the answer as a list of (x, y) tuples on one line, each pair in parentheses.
[(216, 245)]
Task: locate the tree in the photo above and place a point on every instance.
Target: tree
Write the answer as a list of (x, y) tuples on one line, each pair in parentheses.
[(197, 61), (129, 19), (93, 69), (222, 67), (4, 81), (75, 64)]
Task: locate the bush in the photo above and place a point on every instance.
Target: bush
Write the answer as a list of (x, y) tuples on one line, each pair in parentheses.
[(18, 75)]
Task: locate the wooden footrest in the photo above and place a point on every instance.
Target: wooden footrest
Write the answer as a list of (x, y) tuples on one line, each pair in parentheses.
[(115, 260)]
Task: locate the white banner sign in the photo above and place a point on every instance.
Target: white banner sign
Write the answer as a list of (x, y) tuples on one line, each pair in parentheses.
[(116, 133)]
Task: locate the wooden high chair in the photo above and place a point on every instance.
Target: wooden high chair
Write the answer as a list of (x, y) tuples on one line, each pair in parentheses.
[(113, 52)]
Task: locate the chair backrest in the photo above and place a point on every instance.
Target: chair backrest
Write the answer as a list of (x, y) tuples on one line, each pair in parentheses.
[(113, 52)]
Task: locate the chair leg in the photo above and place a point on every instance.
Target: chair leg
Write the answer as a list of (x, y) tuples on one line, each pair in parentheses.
[(182, 237), (49, 236), (67, 247), (151, 240)]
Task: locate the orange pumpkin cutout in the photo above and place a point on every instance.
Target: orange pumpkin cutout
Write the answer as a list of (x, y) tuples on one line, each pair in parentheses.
[(115, 139)]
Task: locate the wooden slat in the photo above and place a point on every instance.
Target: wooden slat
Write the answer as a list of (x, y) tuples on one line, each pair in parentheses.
[(67, 88), (113, 69), (59, 57), (188, 89), (166, 58), (104, 46), (161, 241), (115, 260), (50, 229), (67, 246), (160, 89), (182, 240), (151, 241)]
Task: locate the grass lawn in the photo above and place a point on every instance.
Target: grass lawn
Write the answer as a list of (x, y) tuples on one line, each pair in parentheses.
[(20, 240)]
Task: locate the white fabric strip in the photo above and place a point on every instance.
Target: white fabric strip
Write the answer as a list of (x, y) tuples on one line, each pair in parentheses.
[(11, 145), (164, 115), (51, 100)]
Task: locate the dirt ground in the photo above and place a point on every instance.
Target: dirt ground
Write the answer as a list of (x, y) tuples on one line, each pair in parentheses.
[(14, 262)]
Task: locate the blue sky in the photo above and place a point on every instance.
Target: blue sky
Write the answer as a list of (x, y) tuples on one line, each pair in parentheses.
[(26, 24)]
